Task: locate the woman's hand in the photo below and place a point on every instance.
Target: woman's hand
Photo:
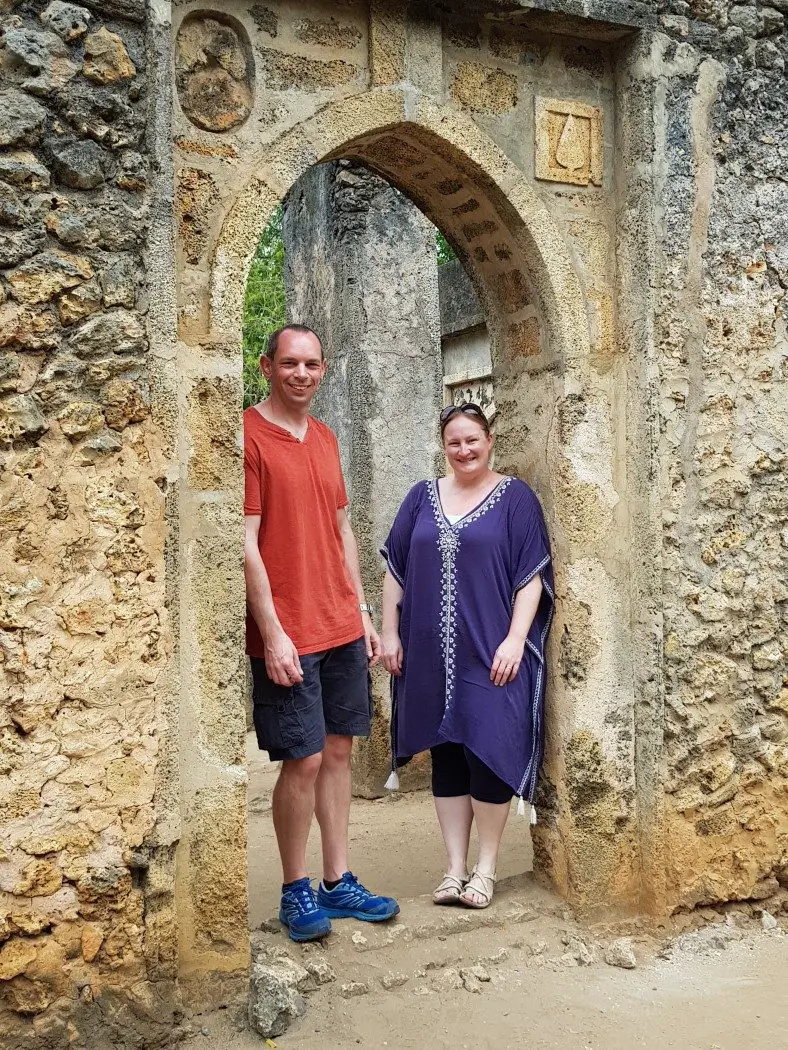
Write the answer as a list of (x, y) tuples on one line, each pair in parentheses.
[(507, 660), (391, 652)]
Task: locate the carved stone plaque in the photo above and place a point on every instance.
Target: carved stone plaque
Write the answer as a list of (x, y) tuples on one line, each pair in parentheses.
[(479, 389), (568, 142)]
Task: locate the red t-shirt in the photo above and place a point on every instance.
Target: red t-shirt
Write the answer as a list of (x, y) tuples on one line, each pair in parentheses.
[(297, 488)]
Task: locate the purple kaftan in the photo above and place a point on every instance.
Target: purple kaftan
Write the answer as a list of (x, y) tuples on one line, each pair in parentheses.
[(459, 583)]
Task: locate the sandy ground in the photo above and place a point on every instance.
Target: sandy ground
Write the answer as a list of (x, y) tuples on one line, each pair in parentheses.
[(699, 995), (395, 843)]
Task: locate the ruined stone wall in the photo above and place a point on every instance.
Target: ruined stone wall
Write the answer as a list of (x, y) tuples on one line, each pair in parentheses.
[(722, 267), (84, 632), (620, 202)]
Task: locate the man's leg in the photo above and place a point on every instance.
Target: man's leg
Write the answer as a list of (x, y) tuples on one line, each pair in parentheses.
[(293, 806), (332, 804)]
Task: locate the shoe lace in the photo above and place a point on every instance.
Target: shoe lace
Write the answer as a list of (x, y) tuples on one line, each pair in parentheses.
[(304, 899)]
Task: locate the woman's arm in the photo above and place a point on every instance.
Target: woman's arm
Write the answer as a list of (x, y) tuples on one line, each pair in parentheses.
[(509, 654), (390, 641)]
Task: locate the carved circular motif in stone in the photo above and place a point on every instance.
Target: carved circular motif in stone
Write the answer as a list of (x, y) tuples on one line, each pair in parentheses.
[(214, 71)]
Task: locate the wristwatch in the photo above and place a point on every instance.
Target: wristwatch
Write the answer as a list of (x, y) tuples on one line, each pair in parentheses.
[(366, 607)]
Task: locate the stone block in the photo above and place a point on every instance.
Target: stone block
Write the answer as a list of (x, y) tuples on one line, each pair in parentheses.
[(81, 165), (483, 89), (117, 332), (21, 417), (106, 58), (79, 303), (81, 418), (568, 142), (39, 879), (387, 41), (123, 404), (214, 417), (216, 828), (197, 202), (23, 169), (67, 20), (213, 72), (39, 61), (281, 72), (48, 274), (327, 32), (21, 118), (15, 957), (274, 997)]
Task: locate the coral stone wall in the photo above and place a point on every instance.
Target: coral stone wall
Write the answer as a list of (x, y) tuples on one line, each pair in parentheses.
[(612, 174), (84, 631), (720, 326)]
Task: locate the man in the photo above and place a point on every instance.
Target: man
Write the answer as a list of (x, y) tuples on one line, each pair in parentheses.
[(309, 633)]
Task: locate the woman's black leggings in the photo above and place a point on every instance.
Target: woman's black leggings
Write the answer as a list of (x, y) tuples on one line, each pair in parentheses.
[(457, 771)]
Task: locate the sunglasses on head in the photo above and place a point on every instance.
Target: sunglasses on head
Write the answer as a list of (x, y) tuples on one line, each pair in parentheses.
[(466, 406)]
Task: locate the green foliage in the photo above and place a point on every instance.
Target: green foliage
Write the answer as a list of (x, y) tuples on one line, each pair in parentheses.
[(264, 306), (445, 250)]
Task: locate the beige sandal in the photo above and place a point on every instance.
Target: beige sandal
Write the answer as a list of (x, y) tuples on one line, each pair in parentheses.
[(482, 885), (449, 889)]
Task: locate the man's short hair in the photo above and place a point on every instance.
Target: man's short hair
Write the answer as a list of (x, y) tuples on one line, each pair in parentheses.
[(273, 338)]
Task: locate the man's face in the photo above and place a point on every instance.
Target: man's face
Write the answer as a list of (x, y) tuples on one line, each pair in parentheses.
[(297, 369)]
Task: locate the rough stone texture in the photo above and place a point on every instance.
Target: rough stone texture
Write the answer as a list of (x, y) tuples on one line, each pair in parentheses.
[(83, 628), (214, 72), (344, 230), (638, 383)]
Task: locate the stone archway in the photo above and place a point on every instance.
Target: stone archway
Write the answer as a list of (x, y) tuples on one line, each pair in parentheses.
[(535, 306)]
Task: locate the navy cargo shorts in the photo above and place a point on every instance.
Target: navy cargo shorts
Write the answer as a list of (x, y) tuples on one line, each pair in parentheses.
[(335, 697)]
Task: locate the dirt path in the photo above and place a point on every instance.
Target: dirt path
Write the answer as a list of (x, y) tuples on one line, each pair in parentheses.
[(521, 975)]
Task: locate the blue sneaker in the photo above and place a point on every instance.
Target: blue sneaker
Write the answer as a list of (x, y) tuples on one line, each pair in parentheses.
[(300, 913), (350, 900)]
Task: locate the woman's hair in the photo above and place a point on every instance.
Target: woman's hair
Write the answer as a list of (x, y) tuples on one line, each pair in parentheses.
[(467, 408)]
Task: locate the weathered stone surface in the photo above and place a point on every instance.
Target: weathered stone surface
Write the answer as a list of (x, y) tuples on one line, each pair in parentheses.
[(101, 113), (37, 60), (69, 226), (123, 404), (27, 329), (106, 58), (81, 418), (21, 118), (48, 274), (327, 32), (16, 245), (23, 169), (39, 879), (213, 73), (80, 303), (483, 89), (15, 957), (118, 279), (81, 165), (117, 332), (274, 997), (92, 938), (21, 417), (283, 72), (620, 953), (67, 20), (132, 172)]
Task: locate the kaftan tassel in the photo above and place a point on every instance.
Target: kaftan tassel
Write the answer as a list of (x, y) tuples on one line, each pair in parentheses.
[(533, 815), (520, 807), (392, 784)]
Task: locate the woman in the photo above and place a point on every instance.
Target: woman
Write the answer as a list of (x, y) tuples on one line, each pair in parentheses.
[(467, 604)]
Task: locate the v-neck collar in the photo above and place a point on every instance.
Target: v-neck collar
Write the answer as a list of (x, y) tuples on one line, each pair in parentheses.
[(284, 430), (479, 509)]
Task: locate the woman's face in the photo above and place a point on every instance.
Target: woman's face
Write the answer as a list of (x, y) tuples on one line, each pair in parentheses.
[(466, 445)]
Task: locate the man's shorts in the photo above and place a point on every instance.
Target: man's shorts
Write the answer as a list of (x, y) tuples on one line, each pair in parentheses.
[(334, 697)]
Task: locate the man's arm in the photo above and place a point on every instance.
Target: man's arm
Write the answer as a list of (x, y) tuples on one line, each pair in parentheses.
[(354, 570), (281, 656)]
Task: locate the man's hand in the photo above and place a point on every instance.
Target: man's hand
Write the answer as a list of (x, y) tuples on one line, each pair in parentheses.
[(371, 639), (392, 654), (281, 659)]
